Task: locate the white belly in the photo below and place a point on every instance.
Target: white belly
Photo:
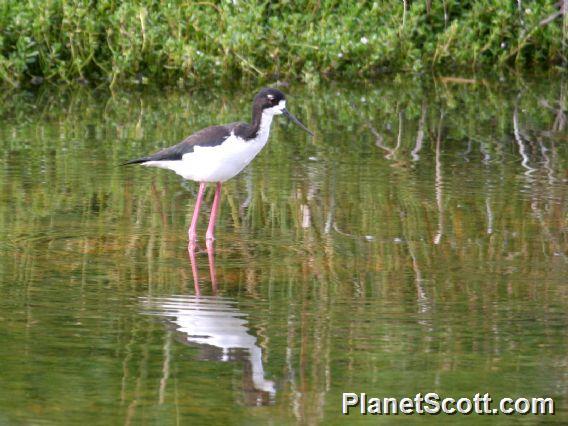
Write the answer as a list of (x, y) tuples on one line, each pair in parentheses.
[(217, 163)]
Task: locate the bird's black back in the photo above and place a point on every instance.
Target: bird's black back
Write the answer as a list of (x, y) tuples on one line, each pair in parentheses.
[(210, 136)]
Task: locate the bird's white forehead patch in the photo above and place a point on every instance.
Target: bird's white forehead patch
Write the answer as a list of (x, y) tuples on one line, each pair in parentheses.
[(270, 96)]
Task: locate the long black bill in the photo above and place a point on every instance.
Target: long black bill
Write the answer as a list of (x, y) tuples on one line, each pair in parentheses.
[(296, 121)]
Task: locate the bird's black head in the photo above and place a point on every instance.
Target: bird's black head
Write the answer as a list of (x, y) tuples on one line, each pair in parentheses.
[(270, 100), (273, 102)]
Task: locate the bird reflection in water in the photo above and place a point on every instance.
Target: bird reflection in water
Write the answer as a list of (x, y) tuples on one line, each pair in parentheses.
[(219, 329)]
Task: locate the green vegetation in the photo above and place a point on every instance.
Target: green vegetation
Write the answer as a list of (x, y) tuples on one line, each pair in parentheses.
[(192, 42)]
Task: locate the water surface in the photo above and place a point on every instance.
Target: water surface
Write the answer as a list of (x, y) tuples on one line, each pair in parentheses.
[(418, 243)]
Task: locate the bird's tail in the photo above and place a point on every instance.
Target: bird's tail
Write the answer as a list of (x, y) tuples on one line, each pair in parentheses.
[(136, 161)]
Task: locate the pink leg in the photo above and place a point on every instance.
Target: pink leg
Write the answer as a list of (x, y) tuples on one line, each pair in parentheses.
[(211, 257), (194, 271), (209, 236), (192, 232)]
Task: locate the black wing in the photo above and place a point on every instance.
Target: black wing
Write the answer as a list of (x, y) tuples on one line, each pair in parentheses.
[(210, 136)]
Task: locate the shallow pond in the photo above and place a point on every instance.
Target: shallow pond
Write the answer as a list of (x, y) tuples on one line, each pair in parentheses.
[(418, 243)]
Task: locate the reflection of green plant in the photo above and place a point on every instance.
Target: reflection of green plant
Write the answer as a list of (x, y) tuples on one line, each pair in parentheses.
[(205, 42), (82, 239), (476, 115)]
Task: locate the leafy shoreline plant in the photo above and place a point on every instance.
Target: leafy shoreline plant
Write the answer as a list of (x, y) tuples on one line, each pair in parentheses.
[(201, 42)]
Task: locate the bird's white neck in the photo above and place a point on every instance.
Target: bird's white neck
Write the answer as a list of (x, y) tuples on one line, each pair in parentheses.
[(264, 128), (266, 120)]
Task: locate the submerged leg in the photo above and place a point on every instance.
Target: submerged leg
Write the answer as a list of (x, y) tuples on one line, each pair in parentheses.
[(212, 274), (210, 235), (194, 270), (192, 232)]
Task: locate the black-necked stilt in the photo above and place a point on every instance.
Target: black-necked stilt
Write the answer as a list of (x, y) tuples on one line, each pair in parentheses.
[(218, 153)]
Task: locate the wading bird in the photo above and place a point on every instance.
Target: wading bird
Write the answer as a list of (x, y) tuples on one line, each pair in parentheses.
[(218, 153)]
